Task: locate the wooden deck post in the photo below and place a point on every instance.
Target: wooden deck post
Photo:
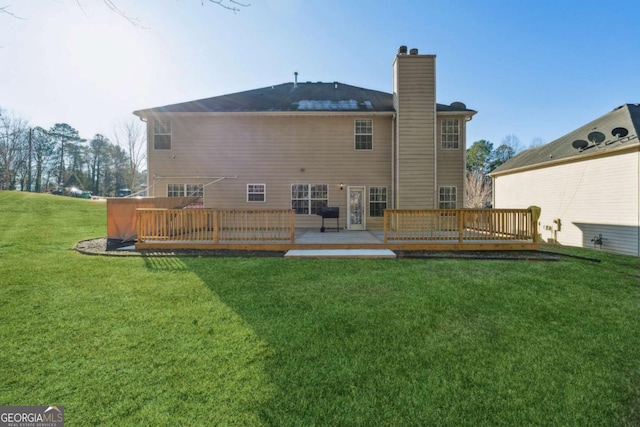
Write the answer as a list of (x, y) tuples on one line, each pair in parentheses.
[(461, 219), (216, 234), (385, 225), (292, 225)]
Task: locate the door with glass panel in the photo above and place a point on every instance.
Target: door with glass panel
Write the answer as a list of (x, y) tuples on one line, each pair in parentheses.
[(356, 219)]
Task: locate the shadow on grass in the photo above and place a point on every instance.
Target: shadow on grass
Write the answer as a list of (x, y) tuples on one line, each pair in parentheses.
[(376, 342)]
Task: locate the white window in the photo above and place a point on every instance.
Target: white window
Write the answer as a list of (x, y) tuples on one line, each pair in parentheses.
[(363, 134), (162, 134), (175, 190), (188, 190), (194, 190), (377, 201), (256, 193), (448, 198), (450, 134), (307, 199)]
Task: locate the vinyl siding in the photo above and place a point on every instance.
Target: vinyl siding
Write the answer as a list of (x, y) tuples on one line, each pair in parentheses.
[(597, 196), (275, 150), (451, 163), (414, 84)]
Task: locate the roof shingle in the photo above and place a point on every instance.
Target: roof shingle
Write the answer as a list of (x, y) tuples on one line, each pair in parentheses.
[(288, 97), (626, 116)]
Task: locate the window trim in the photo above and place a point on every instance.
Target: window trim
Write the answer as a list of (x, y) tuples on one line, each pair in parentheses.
[(356, 134), (454, 193), (377, 202), (445, 144), (263, 193), (159, 123), (182, 187), (185, 193), (309, 199)]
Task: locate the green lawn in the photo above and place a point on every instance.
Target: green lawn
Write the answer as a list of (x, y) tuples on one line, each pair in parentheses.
[(207, 341)]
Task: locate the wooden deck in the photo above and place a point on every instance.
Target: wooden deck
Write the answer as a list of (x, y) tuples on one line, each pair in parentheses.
[(268, 230)]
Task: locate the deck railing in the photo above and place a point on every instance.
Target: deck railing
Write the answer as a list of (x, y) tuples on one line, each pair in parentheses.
[(215, 225), (459, 225)]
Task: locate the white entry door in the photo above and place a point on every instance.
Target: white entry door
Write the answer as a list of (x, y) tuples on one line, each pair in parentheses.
[(356, 201)]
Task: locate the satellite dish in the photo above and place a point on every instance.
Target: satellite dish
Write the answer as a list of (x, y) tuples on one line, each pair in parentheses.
[(580, 144), (596, 137), (620, 132)]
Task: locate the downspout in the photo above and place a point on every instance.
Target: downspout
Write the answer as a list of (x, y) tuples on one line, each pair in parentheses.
[(436, 193), (393, 162), (397, 160)]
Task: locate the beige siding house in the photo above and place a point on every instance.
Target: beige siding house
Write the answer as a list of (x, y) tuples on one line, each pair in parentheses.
[(587, 184), (304, 146)]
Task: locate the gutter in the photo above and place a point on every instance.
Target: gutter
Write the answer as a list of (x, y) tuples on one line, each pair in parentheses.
[(566, 160)]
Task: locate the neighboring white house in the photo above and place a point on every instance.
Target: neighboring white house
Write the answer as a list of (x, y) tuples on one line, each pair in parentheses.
[(587, 184)]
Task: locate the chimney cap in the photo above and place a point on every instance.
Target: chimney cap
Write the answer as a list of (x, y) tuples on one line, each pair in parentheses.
[(402, 50), (413, 51)]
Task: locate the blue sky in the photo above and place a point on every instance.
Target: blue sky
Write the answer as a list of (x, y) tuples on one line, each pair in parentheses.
[(531, 69)]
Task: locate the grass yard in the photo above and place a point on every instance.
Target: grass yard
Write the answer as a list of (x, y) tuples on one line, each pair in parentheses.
[(190, 341)]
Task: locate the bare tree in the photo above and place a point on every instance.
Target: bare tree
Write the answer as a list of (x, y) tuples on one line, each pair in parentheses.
[(131, 136), (512, 141), (232, 5), (14, 132), (6, 11), (478, 190), (536, 142)]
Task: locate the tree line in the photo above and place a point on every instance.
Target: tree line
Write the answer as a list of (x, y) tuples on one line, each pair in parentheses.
[(39, 160), (482, 158)]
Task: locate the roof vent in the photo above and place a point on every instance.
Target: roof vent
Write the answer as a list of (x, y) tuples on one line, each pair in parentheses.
[(413, 51), (459, 105), (596, 137), (580, 144), (295, 79), (620, 132), (402, 50)]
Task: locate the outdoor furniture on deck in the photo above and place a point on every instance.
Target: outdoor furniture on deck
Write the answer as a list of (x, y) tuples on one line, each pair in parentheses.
[(330, 212)]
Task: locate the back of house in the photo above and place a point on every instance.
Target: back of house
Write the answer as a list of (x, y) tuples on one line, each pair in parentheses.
[(309, 145)]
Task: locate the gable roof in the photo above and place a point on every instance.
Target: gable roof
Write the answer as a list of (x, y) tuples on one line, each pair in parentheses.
[(583, 141), (299, 97)]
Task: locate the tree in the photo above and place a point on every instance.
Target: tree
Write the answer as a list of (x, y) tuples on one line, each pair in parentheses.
[(6, 11), (501, 154), (232, 5), (479, 156), (63, 135), (512, 141), (536, 142), (97, 153), (130, 135), (477, 190), (14, 132), (43, 150)]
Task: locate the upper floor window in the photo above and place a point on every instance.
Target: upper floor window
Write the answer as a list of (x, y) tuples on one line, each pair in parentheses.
[(377, 201), (307, 199), (448, 198), (162, 134), (256, 192), (364, 134), (450, 134)]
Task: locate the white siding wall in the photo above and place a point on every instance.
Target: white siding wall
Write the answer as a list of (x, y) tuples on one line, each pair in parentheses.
[(598, 196)]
